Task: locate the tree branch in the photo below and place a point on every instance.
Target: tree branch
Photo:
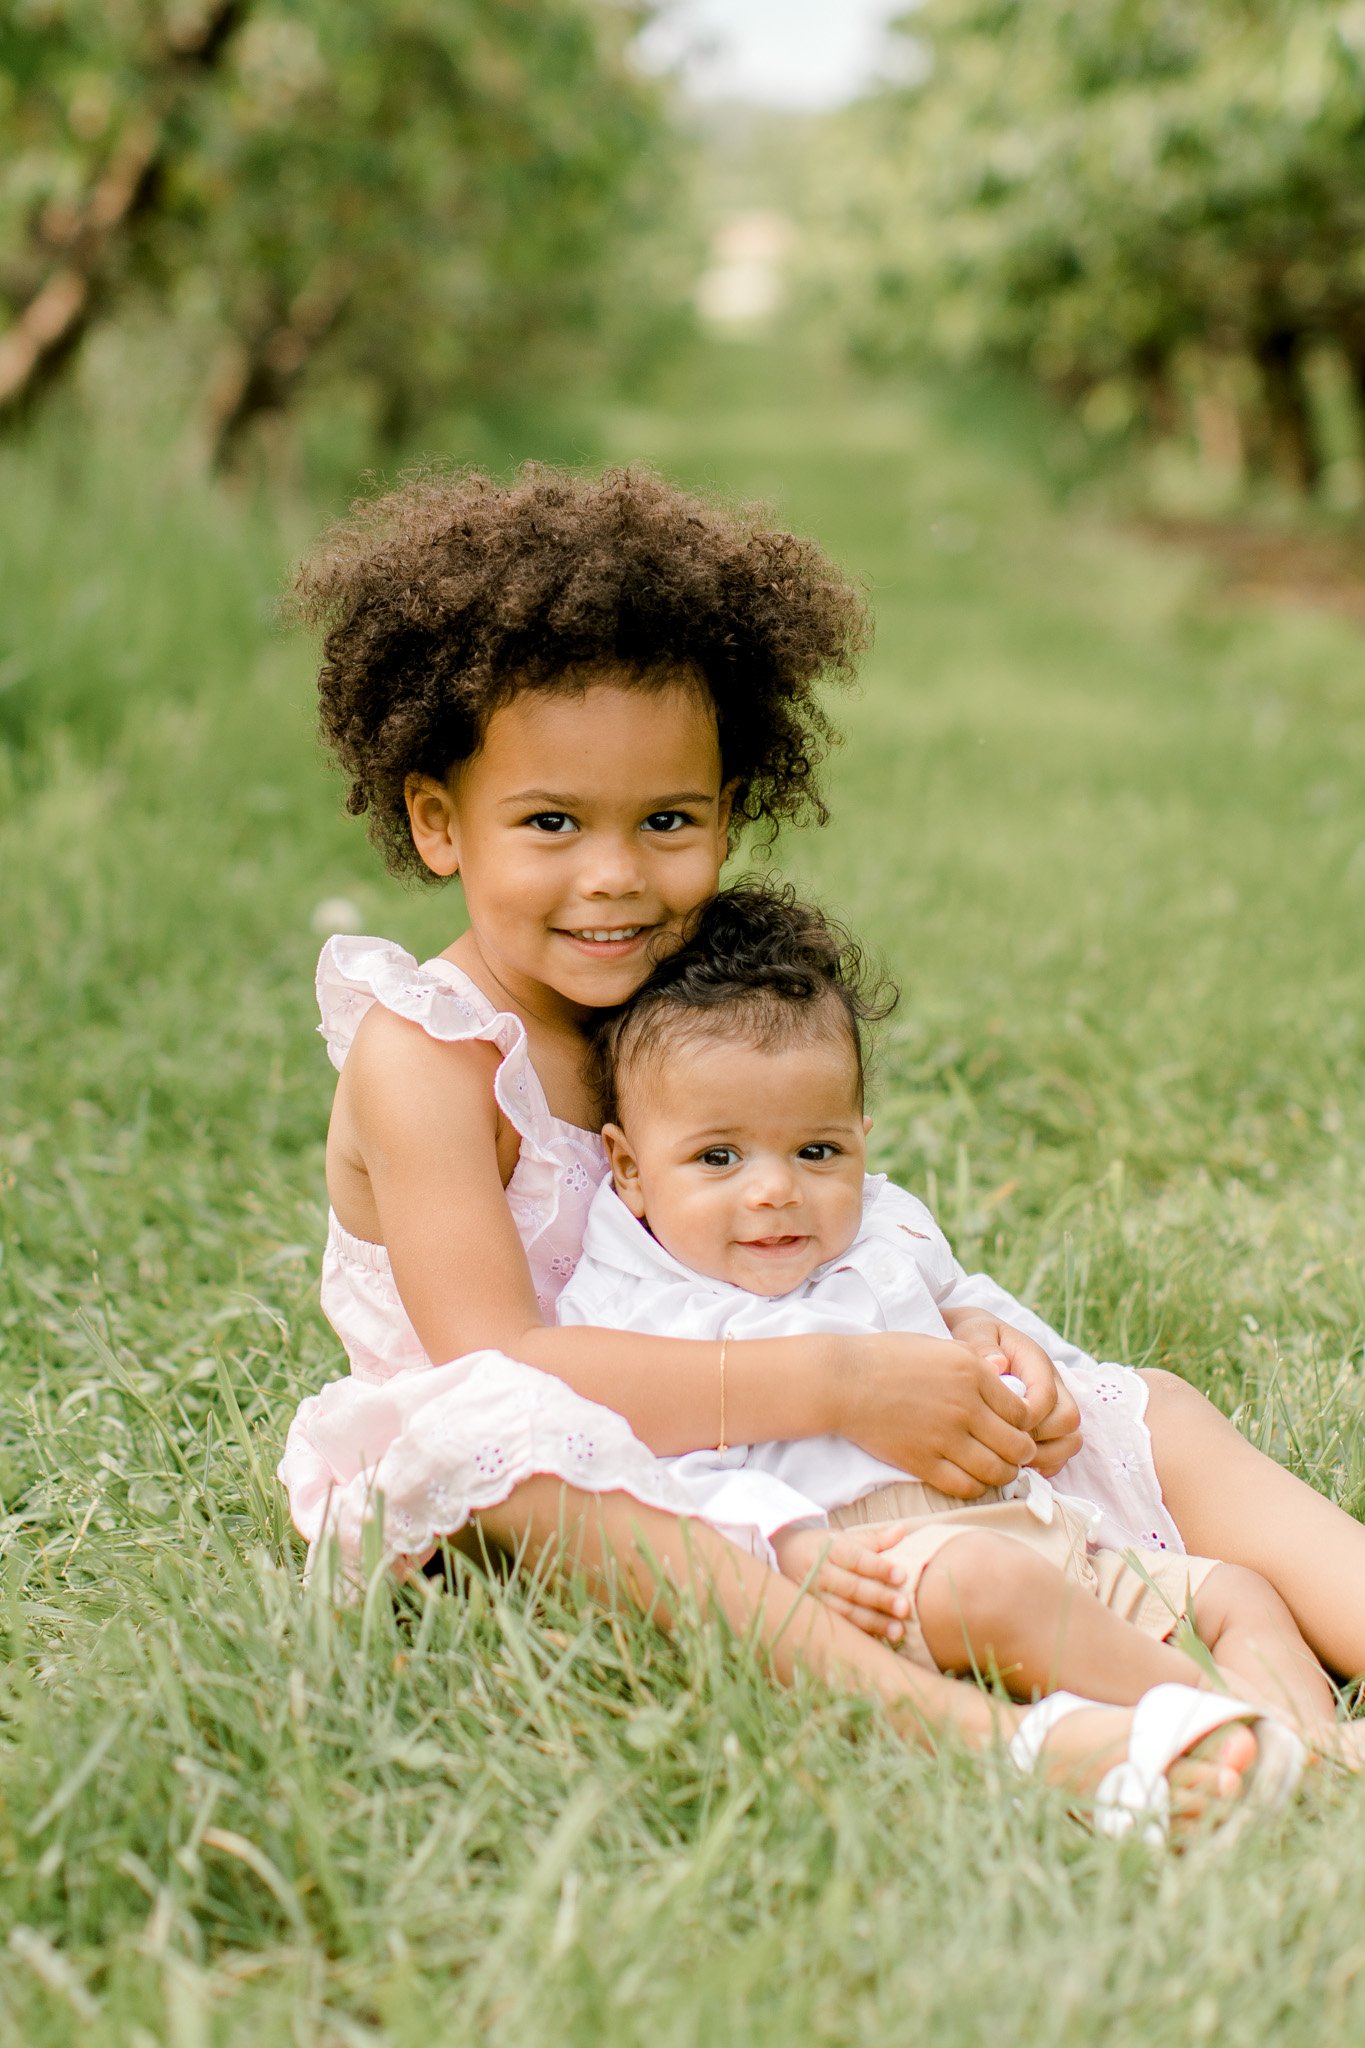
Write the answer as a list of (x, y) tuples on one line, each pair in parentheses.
[(47, 332)]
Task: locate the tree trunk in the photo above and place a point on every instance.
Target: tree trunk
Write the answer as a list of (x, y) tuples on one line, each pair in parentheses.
[(45, 335), (1294, 456), (260, 374), (1355, 370), (1217, 421), (1158, 393)]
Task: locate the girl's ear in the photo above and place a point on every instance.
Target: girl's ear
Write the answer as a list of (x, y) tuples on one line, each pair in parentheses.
[(727, 799), (625, 1169), (433, 822), (867, 1125)]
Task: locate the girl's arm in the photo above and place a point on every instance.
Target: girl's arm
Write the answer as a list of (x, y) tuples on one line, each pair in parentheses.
[(425, 1124)]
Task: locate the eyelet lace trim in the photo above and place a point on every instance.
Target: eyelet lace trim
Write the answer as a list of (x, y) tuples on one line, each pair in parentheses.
[(429, 1449)]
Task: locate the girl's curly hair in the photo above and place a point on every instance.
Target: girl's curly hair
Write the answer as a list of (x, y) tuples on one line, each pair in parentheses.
[(445, 597), (756, 963)]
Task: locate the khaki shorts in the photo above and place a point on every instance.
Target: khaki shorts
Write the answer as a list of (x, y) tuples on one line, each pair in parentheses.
[(1145, 1587)]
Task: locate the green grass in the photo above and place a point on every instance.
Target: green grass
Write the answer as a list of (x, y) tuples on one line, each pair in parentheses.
[(1107, 831)]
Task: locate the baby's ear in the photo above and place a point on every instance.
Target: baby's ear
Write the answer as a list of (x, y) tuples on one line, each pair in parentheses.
[(625, 1170)]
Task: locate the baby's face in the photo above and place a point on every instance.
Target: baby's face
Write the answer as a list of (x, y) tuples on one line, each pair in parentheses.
[(746, 1164)]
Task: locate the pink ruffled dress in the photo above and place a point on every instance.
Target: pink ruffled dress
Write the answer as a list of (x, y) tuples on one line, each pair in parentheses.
[(438, 1443)]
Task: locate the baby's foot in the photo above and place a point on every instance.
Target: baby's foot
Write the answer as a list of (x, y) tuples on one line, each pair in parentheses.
[(1208, 1778)]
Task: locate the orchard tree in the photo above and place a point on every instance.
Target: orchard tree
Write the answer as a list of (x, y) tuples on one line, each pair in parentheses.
[(427, 198), (93, 109), (1140, 196), (434, 197)]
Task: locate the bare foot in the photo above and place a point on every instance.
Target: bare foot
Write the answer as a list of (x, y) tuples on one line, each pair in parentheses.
[(1208, 1777), (1338, 1742)]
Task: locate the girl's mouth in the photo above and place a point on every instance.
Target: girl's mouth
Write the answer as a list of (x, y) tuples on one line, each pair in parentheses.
[(777, 1245), (608, 942)]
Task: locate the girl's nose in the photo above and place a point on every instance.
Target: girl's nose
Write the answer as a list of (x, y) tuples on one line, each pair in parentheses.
[(610, 868)]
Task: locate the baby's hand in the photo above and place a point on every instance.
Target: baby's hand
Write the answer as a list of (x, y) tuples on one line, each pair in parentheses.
[(1051, 1416), (848, 1571)]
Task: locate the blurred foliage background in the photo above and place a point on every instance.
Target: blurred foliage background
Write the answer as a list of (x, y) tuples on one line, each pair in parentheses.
[(372, 214), (346, 204), (1155, 208)]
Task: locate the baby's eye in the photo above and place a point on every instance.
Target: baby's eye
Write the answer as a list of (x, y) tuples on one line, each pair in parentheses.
[(718, 1155), (555, 822), (819, 1152), (668, 821)]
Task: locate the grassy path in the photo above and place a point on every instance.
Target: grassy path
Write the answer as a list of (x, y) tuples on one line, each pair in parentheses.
[(1110, 836)]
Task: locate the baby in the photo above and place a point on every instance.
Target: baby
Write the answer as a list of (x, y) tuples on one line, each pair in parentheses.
[(739, 1207)]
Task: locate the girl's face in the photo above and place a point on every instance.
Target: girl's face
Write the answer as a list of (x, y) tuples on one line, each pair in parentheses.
[(588, 826)]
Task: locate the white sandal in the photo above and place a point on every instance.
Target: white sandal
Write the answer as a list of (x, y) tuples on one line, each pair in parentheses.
[(1168, 1721)]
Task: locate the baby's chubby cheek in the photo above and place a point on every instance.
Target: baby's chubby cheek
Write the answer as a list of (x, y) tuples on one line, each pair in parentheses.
[(698, 1231)]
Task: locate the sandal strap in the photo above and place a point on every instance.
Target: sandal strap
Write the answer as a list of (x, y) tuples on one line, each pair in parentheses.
[(1026, 1744), (1167, 1722), (1126, 1799), (1170, 1719)]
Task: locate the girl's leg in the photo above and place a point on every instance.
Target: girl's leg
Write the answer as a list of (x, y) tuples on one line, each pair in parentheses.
[(1253, 1640), (1230, 1501), (649, 1556)]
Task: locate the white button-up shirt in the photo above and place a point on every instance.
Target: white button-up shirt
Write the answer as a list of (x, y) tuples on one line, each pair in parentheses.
[(898, 1274)]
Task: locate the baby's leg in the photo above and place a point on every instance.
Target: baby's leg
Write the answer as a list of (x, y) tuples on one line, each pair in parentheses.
[(1228, 1500), (988, 1601), (649, 1555)]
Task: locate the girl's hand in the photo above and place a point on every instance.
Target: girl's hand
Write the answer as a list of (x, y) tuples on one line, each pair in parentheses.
[(933, 1407), (849, 1572), (1051, 1416)]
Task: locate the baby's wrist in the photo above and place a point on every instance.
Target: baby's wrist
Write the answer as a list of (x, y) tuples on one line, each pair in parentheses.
[(797, 1545)]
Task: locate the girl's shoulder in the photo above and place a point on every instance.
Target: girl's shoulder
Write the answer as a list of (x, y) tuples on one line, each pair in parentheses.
[(357, 975), (554, 1167), (363, 975)]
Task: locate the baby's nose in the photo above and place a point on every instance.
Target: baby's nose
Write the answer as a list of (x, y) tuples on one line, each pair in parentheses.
[(771, 1187)]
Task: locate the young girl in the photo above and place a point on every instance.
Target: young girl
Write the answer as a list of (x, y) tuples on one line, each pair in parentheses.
[(739, 1207), (569, 693)]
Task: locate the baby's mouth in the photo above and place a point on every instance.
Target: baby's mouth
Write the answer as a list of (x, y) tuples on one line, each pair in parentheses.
[(793, 1241)]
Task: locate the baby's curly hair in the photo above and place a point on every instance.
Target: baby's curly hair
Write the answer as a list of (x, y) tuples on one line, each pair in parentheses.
[(445, 597), (757, 964)]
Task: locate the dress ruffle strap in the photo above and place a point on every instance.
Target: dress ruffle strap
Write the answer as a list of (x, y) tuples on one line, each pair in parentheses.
[(356, 973)]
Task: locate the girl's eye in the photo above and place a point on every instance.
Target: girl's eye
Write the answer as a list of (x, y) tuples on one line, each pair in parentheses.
[(555, 822), (668, 821), (819, 1152), (718, 1155)]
